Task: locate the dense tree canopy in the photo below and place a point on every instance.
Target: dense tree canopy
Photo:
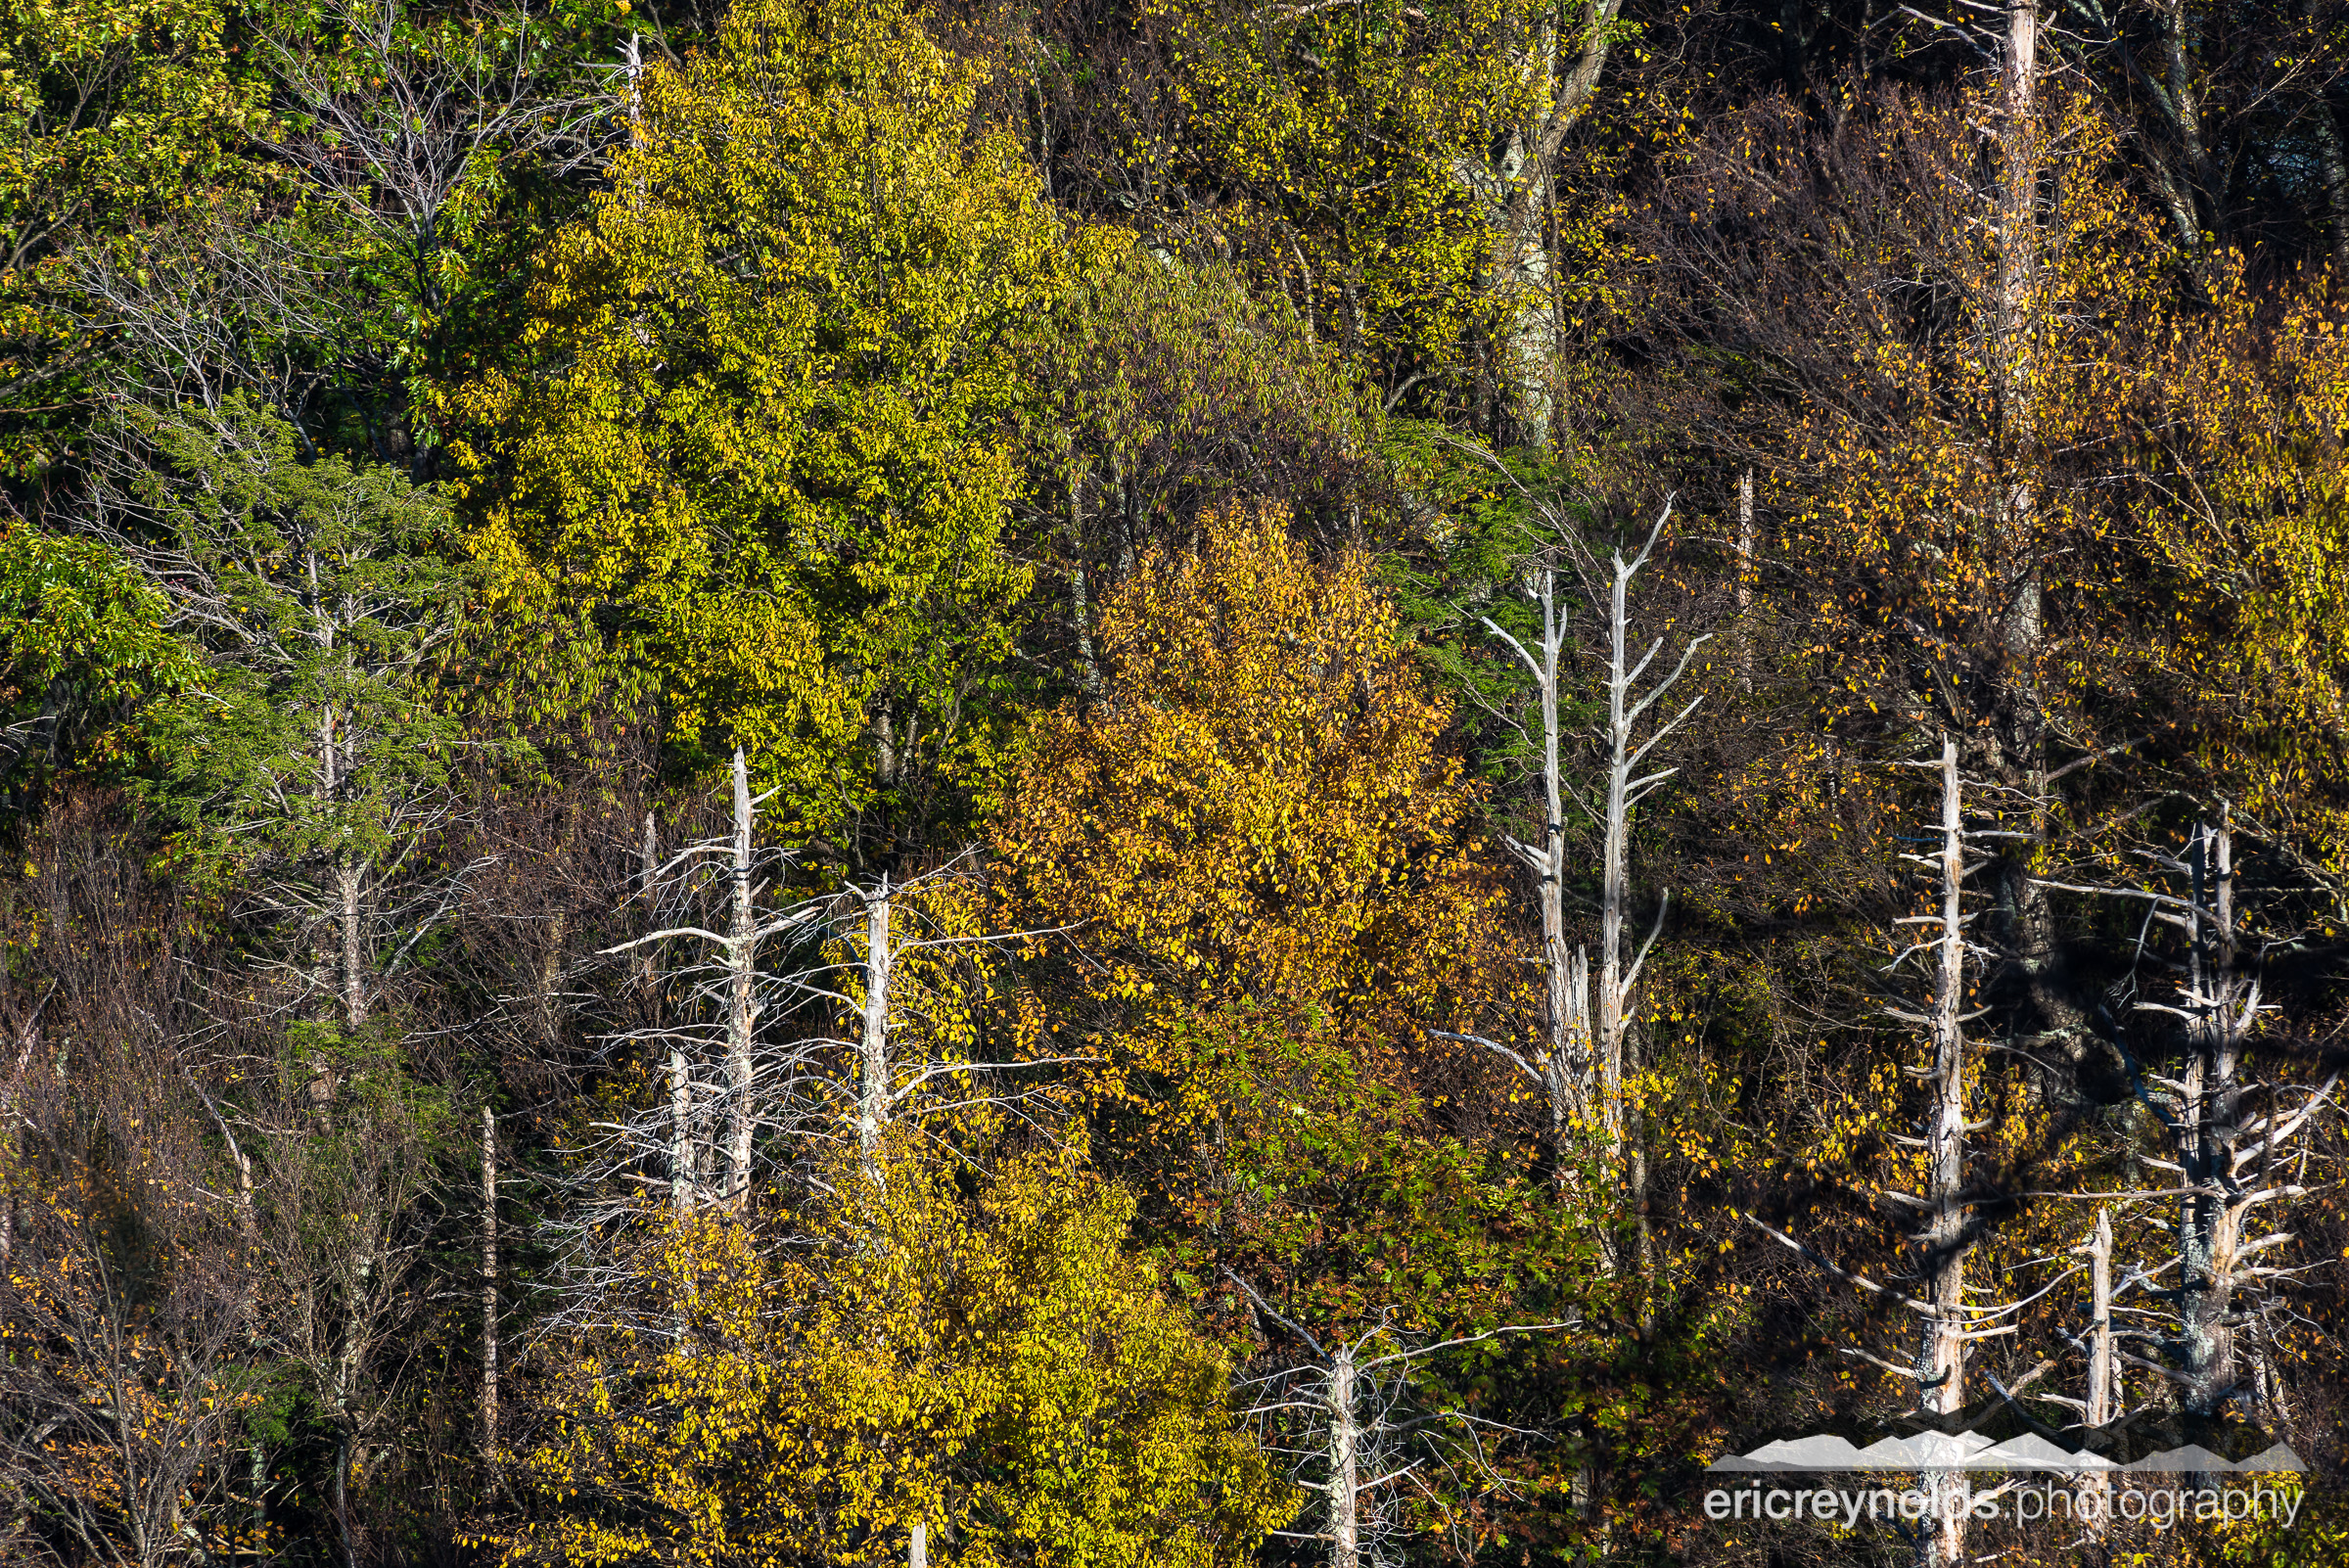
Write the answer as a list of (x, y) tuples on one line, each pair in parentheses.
[(1164, 781)]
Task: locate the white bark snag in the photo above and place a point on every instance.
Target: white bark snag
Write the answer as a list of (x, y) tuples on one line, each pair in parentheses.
[(1627, 787), (1563, 1068), (1941, 1358), (742, 1011), (872, 1100), (917, 1554), (488, 1284), (1345, 1464), (2099, 1411), (1581, 1066), (681, 1195)]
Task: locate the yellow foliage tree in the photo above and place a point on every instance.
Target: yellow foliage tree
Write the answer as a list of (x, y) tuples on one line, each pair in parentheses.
[(760, 458), (2242, 502), (997, 1369)]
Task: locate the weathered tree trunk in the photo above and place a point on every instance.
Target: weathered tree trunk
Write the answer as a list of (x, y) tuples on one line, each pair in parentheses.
[(2099, 1411), (1941, 1358), (1517, 192), (872, 1100), (1615, 868), (2209, 1219), (1564, 1067), (488, 1284), (742, 1010), (350, 885), (1345, 1464), (2021, 718), (681, 1180)]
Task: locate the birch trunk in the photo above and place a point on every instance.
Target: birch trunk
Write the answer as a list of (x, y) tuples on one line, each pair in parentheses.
[(1516, 193)]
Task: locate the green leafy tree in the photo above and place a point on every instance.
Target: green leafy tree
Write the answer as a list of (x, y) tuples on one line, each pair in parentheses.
[(112, 116), (765, 450), (80, 634), (310, 753)]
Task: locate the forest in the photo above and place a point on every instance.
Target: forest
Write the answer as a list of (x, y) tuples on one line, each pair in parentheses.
[(1170, 783)]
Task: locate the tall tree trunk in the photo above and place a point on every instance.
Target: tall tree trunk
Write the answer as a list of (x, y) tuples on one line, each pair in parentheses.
[(1562, 60), (1564, 1066), (488, 1284), (872, 1102), (681, 1174), (2021, 716), (1941, 1358), (2099, 1411), (1615, 866), (1345, 1464), (1745, 581), (350, 882), (2210, 1219), (741, 1006)]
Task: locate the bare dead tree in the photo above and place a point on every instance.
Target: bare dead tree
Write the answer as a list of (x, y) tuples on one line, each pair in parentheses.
[(756, 1071), (1350, 1417), (1951, 1325), (1586, 1019), (2236, 1145)]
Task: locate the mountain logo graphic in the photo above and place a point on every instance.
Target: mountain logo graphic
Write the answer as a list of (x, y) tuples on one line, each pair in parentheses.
[(1972, 1450)]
